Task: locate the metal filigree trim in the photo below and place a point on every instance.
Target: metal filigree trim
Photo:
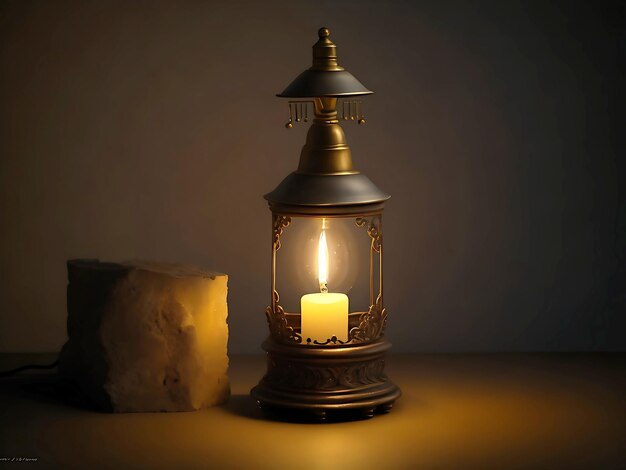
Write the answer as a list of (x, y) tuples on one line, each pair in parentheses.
[(279, 326), (372, 323), (371, 326), (373, 230), (279, 224), (290, 375), (333, 340)]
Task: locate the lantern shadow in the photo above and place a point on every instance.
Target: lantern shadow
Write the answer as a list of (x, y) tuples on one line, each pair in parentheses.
[(243, 405)]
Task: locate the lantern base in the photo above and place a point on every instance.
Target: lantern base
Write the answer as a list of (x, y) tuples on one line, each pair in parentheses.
[(344, 381)]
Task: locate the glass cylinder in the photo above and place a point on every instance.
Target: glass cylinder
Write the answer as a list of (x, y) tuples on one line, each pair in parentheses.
[(326, 279)]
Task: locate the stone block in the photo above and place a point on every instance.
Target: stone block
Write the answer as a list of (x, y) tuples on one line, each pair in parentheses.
[(146, 336)]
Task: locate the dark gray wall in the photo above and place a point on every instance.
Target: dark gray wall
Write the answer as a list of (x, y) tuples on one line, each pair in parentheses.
[(149, 129)]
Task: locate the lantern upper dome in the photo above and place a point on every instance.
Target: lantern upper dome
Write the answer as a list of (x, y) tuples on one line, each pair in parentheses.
[(325, 78)]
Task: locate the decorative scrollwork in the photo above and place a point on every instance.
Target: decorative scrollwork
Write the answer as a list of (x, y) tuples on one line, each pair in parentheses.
[(371, 326), (279, 326), (371, 323), (286, 374), (333, 340), (373, 230), (279, 224)]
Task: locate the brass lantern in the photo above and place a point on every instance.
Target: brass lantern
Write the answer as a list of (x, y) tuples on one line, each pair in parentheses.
[(326, 349)]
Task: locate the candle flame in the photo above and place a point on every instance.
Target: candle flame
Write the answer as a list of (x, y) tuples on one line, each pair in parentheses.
[(322, 262)]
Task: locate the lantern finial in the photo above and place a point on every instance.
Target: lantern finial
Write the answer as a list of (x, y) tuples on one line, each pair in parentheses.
[(325, 53)]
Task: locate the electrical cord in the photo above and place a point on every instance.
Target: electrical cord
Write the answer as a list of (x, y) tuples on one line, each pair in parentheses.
[(17, 370)]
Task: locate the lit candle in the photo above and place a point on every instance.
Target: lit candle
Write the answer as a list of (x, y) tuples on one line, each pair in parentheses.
[(324, 315)]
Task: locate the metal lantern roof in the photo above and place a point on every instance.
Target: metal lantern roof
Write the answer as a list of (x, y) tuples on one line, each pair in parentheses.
[(325, 181), (325, 78)]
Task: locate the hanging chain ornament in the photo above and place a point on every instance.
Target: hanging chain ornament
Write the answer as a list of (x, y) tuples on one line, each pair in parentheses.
[(298, 112), (351, 110)]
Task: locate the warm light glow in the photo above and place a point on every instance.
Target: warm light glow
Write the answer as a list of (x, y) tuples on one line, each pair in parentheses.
[(322, 262), (325, 315)]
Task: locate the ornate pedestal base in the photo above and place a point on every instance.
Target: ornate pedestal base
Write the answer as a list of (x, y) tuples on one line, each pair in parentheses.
[(326, 380)]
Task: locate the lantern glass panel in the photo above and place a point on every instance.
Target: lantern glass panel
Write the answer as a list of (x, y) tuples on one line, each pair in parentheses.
[(352, 265)]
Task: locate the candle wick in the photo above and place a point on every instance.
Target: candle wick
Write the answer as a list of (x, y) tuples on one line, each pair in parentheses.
[(323, 288)]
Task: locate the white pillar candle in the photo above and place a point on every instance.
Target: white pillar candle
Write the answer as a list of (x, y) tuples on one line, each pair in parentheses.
[(323, 315)]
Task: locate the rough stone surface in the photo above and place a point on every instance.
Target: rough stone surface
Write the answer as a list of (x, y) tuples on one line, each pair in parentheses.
[(146, 336)]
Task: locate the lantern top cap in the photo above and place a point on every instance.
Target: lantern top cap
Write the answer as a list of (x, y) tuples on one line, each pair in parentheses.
[(325, 78)]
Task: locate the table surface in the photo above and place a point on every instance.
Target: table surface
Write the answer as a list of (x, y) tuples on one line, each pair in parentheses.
[(457, 411)]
